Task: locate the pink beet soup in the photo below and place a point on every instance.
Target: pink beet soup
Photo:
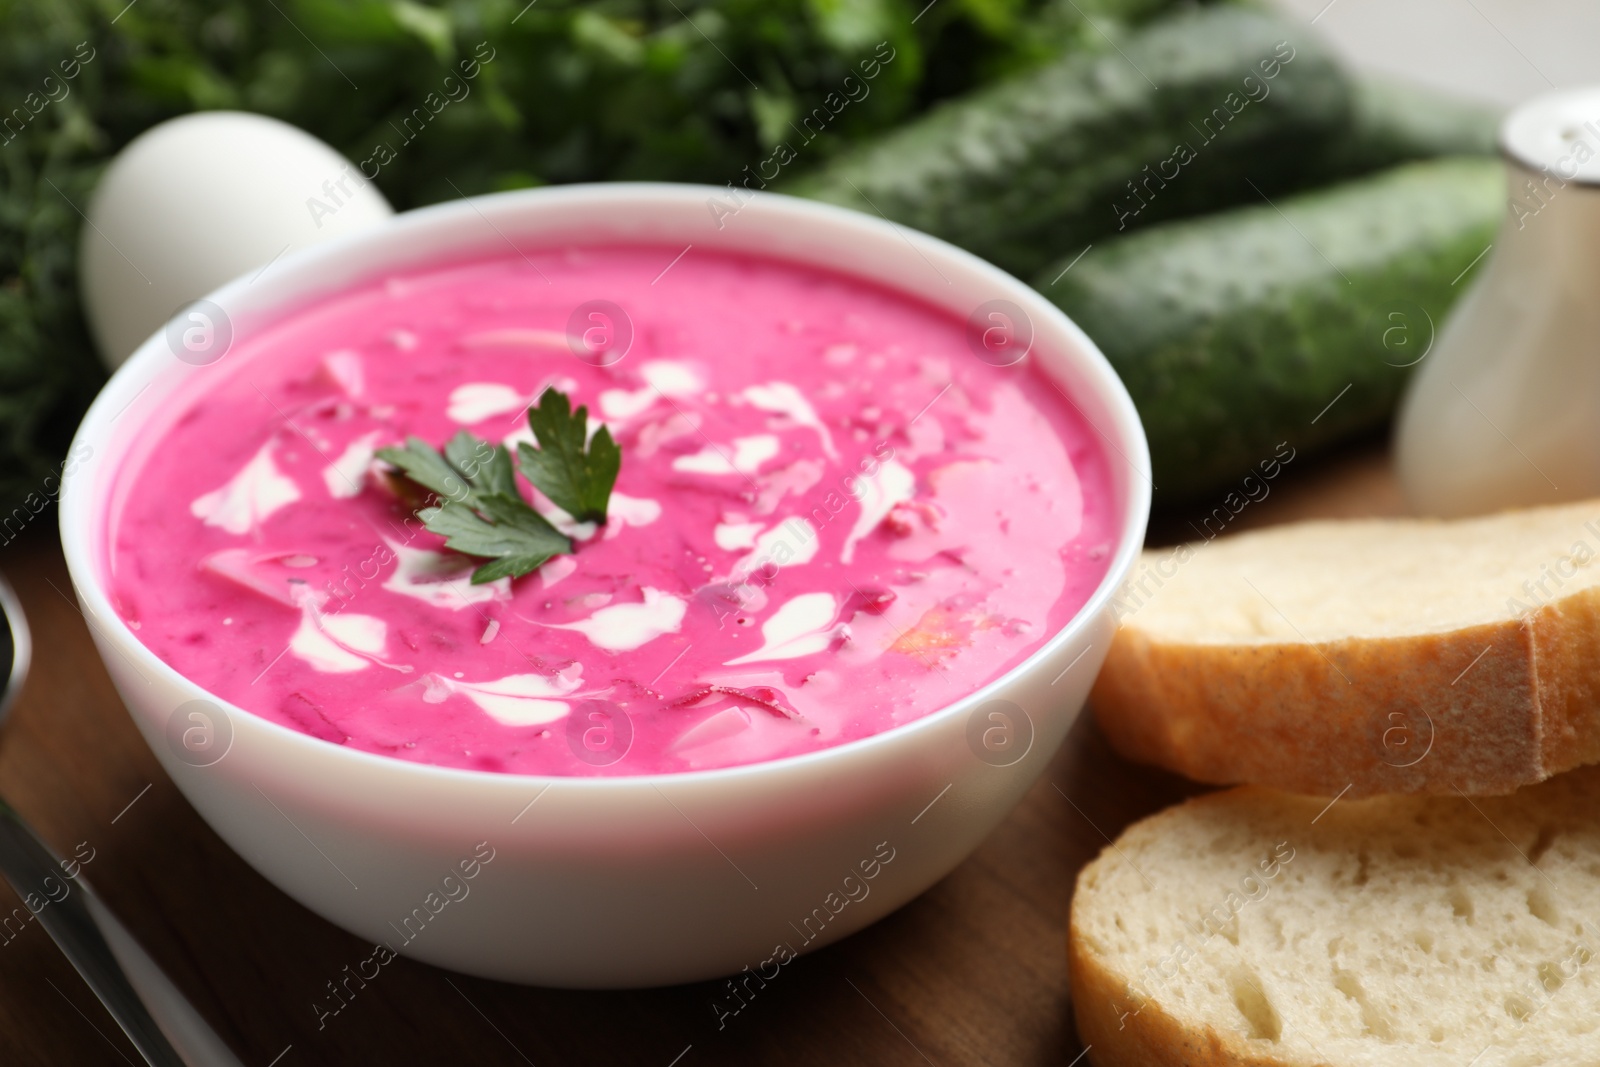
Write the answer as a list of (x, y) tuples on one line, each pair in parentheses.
[(832, 518)]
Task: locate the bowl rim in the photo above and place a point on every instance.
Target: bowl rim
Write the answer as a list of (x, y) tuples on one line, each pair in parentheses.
[(79, 512)]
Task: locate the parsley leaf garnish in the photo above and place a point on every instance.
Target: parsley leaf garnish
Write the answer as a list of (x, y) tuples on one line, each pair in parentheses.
[(478, 510), (461, 474), (577, 479), (508, 532)]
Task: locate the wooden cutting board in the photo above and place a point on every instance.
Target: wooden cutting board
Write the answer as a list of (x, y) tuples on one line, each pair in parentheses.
[(972, 972)]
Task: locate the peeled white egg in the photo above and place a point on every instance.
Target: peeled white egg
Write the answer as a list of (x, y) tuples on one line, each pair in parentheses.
[(200, 200)]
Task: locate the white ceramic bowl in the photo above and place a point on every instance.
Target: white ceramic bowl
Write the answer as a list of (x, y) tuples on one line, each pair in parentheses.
[(626, 881)]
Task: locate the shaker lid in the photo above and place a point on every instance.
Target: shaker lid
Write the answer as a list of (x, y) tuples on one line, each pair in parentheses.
[(1560, 131)]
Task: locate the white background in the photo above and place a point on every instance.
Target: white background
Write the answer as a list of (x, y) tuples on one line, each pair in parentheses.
[(1501, 51)]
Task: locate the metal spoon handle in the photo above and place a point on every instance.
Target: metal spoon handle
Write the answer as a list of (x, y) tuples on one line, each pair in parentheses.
[(160, 1022)]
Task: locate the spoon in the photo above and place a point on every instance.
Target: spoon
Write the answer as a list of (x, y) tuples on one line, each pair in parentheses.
[(161, 1023)]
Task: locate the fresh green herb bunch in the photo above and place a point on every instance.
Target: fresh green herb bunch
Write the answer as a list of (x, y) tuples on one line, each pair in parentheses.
[(676, 90), (48, 164)]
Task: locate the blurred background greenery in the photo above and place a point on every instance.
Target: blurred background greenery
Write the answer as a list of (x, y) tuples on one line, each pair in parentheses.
[(1017, 129), (682, 90)]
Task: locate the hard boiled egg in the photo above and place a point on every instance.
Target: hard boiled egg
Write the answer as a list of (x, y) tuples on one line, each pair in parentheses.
[(199, 200)]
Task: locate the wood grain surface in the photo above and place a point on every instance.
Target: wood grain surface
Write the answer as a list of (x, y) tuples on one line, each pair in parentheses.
[(972, 972)]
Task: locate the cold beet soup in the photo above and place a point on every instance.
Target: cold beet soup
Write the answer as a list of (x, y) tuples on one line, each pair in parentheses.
[(831, 517)]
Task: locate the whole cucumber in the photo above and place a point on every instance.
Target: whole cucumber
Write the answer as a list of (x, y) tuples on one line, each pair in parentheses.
[(1392, 122), (1184, 115), (1296, 322)]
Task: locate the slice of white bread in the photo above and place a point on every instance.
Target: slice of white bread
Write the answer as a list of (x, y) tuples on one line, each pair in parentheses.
[(1382, 656), (1252, 927)]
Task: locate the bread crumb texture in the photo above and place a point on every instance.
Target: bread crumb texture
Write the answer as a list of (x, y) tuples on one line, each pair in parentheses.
[(1365, 578), (1253, 927)]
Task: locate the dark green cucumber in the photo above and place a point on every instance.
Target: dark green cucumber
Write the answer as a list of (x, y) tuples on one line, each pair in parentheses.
[(1090, 144), (1392, 122), (1292, 323)]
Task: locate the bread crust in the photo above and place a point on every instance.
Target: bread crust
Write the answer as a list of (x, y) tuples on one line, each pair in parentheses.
[(1106, 1010), (1118, 1025), (1481, 710)]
